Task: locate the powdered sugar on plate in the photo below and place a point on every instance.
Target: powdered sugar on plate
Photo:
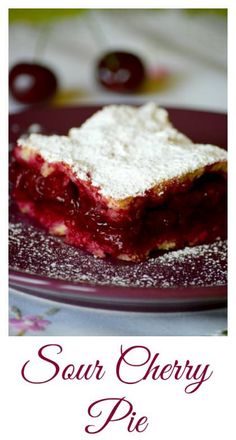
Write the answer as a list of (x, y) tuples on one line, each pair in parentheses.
[(33, 251)]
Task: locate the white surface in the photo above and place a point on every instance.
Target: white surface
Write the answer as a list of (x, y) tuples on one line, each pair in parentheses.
[(193, 48)]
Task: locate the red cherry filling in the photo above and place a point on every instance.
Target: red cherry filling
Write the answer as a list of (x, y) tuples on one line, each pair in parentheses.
[(188, 216)]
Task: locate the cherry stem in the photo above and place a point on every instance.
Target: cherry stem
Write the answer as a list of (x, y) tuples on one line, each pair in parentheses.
[(41, 42), (97, 28)]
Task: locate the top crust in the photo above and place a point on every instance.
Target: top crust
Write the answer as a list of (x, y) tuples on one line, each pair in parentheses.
[(125, 151)]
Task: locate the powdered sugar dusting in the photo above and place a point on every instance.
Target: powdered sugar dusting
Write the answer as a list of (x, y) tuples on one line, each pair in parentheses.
[(35, 252), (126, 150)]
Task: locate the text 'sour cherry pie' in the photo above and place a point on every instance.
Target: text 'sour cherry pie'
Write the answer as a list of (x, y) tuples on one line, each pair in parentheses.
[(124, 184)]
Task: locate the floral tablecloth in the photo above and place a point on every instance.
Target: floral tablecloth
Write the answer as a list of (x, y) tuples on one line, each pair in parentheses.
[(32, 316)]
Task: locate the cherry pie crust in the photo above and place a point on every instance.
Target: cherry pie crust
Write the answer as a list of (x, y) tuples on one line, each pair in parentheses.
[(124, 184)]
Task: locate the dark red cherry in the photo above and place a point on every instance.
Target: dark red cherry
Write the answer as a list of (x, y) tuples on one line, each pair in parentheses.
[(31, 83), (120, 71)]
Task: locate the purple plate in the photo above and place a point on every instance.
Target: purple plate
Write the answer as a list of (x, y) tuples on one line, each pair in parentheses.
[(41, 265)]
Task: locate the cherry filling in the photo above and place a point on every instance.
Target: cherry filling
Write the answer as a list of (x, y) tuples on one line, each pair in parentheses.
[(197, 215), (189, 214)]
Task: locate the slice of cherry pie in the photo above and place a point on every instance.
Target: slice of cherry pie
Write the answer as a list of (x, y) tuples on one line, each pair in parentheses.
[(124, 184)]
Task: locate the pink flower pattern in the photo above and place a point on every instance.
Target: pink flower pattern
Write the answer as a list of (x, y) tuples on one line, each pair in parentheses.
[(29, 322), (23, 323)]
